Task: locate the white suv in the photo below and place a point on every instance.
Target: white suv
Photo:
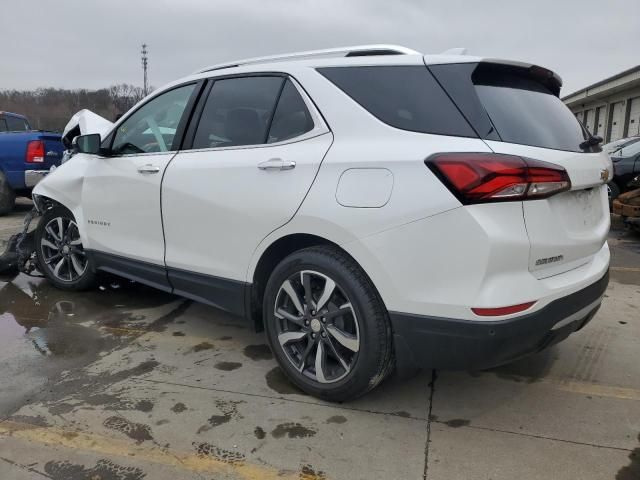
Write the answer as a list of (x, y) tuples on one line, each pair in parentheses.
[(368, 207)]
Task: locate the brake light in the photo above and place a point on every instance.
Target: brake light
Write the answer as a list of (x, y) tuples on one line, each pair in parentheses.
[(35, 152), (495, 312), (490, 177)]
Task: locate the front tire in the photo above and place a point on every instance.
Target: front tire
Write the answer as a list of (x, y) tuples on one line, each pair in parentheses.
[(60, 253), (327, 325)]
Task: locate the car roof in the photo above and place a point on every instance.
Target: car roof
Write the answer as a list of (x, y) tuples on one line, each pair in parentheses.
[(360, 55), (17, 115)]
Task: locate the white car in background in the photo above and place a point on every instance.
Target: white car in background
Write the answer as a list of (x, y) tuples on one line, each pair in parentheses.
[(367, 206)]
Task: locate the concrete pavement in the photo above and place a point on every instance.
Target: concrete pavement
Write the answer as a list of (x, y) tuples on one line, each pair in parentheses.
[(126, 383)]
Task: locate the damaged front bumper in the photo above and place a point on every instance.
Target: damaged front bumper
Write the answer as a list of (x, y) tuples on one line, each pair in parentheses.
[(19, 256)]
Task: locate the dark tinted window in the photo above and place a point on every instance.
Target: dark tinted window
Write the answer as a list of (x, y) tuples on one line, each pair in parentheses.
[(15, 124), (524, 111), (152, 128), (291, 118), (238, 112), (406, 97), (3, 125)]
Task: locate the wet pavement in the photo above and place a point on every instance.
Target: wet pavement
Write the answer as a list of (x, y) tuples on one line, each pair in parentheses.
[(127, 383)]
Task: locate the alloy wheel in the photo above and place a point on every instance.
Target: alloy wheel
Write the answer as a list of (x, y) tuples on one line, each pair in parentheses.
[(316, 326), (62, 250)]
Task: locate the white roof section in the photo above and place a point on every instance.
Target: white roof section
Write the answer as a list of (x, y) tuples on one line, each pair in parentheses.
[(359, 55)]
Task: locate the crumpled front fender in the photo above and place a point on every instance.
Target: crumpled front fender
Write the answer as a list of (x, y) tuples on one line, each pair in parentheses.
[(64, 186)]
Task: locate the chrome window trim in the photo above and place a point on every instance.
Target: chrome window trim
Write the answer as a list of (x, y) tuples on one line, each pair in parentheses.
[(319, 125)]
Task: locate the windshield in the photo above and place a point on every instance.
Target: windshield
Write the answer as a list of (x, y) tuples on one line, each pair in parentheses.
[(623, 142), (629, 150)]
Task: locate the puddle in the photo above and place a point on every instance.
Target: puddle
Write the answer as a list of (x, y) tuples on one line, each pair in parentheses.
[(64, 324), (292, 430), (104, 470)]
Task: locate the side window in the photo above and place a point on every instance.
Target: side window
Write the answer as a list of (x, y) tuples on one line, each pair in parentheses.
[(15, 124), (237, 112), (406, 97), (291, 118), (3, 125), (152, 128)]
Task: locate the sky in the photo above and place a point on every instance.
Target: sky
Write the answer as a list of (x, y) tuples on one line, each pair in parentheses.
[(96, 43)]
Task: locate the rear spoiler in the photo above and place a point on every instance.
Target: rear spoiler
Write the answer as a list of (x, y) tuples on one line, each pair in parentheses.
[(546, 77)]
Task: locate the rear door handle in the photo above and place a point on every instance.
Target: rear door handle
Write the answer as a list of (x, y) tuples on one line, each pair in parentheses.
[(277, 164), (148, 169)]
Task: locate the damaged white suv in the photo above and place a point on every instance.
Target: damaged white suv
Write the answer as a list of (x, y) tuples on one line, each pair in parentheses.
[(368, 207)]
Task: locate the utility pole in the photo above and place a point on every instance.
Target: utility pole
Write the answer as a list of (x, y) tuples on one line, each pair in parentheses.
[(145, 59)]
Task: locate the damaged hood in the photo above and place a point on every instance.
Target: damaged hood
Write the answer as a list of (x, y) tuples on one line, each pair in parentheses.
[(85, 122)]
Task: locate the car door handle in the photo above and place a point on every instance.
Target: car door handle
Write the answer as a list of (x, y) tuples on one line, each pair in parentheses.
[(148, 169), (277, 164)]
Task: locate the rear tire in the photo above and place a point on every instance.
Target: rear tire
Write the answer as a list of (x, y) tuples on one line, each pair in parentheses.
[(337, 345), (7, 196), (61, 257)]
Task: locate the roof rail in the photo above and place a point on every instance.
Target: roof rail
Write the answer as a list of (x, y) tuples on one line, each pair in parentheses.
[(356, 51)]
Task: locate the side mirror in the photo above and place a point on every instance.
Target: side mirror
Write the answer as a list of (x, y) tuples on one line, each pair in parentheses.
[(88, 143)]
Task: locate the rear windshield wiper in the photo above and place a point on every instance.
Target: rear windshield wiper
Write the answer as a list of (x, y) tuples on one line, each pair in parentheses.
[(592, 141)]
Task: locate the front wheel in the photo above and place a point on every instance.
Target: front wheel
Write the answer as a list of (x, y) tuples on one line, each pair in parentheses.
[(60, 253), (327, 325)]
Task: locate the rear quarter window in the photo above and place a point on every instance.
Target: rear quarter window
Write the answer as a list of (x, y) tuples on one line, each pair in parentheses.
[(525, 112), (405, 97)]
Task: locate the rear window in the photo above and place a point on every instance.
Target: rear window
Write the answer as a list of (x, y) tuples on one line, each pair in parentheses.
[(405, 97), (16, 124), (524, 111)]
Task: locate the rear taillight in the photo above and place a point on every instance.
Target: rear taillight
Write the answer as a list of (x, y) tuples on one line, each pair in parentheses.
[(35, 151), (490, 177)]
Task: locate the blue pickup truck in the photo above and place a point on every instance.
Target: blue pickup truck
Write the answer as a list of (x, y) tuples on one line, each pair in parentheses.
[(26, 156)]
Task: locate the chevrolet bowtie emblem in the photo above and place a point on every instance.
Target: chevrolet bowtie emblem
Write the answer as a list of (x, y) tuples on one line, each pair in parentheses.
[(604, 175)]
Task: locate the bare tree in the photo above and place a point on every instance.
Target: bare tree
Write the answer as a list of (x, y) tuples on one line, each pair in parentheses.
[(124, 96), (51, 108)]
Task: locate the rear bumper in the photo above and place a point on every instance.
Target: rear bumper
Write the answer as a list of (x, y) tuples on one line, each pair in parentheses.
[(32, 177), (444, 343)]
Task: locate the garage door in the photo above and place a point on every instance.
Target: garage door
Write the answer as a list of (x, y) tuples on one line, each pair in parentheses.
[(589, 118), (617, 121), (602, 121), (634, 117)]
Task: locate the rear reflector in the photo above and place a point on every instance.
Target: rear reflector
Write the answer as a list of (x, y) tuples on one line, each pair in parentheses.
[(489, 177), (495, 312), (35, 152)]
